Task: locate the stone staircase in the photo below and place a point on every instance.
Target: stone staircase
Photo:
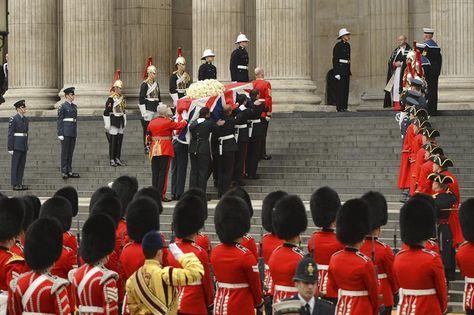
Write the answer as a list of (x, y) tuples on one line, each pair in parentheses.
[(351, 152)]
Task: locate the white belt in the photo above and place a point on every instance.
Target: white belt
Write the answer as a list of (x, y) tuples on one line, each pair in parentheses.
[(90, 309), (70, 119), (261, 100), (222, 139), (343, 61), (237, 131), (323, 267), (242, 67), (417, 292), (152, 99), (224, 285), (353, 293), (3, 302), (19, 134), (382, 276), (253, 121), (285, 288), (181, 91), (241, 126), (468, 280), (198, 282)]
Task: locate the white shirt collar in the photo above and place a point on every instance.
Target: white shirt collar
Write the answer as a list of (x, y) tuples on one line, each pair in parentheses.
[(311, 302)]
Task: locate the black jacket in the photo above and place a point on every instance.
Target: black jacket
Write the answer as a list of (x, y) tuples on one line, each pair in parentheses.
[(142, 96), (433, 52), (174, 86), (226, 130), (239, 57), (17, 124), (341, 51), (207, 71), (241, 118), (256, 111), (67, 128), (200, 133), (321, 307)]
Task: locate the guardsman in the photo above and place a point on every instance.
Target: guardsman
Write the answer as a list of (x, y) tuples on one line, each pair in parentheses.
[(179, 80), (265, 95), (207, 70), (433, 52), (239, 290), (226, 150), (324, 204), (28, 218), (380, 253), (70, 193), (465, 254), (125, 188), (424, 184), (188, 218), (239, 60), (256, 134), (350, 271), (421, 122), (441, 164), (341, 62), (306, 278), (419, 271), (289, 221), (18, 144), (67, 132), (94, 285), (115, 111), (242, 115), (39, 292), (149, 98)]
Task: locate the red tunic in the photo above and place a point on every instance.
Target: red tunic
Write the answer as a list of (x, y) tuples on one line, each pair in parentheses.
[(430, 245), (282, 264), (424, 184), (453, 217), (18, 249), (415, 147), (465, 259), (403, 174), (11, 266), (121, 236), (195, 298), (160, 131), (384, 266), (66, 262), (269, 243), (249, 243), (95, 289), (43, 293), (265, 89), (418, 268), (239, 290), (203, 241), (353, 274), (69, 240), (326, 245)]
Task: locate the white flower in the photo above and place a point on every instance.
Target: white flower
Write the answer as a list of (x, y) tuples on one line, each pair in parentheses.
[(205, 88)]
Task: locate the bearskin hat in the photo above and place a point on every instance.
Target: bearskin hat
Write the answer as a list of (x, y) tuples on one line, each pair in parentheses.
[(241, 193), (98, 238), (125, 187), (142, 217), (152, 193), (110, 206), (289, 217), (417, 220), (201, 194), (268, 206), (100, 193), (43, 243), (11, 217), (60, 209), (70, 193), (231, 219), (29, 212), (36, 205), (352, 222), (188, 216), (377, 209), (466, 217), (324, 204)]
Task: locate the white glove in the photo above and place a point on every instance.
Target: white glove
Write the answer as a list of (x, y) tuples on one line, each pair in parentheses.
[(184, 115), (242, 107), (61, 138), (11, 152), (267, 118), (176, 251), (142, 108), (175, 98), (200, 120), (338, 77)]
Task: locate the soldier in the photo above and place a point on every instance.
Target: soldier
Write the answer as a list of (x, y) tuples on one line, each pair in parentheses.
[(115, 110), (428, 135), (265, 95), (324, 204), (256, 134), (239, 60), (289, 221), (28, 218), (465, 254), (188, 219), (433, 53), (419, 271), (94, 285), (441, 165), (242, 115), (227, 148), (207, 70), (179, 80), (341, 62), (420, 123), (396, 65), (350, 271), (67, 132), (239, 289), (306, 278), (125, 188), (18, 144), (39, 292), (288, 307), (149, 98), (70, 193), (424, 184)]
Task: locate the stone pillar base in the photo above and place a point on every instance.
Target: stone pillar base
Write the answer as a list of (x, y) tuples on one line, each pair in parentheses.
[(287, 93), (36, 98), (456, 93)]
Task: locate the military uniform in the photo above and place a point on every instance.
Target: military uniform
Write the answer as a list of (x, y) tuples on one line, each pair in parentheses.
[(18, 146), (239, 62), (115, 110), (433, 53), (256, 135), (341, 62), (265, 89), (207, 71), (226, 148), (242, 139), (67, 128), (149, 98), (465, 254)]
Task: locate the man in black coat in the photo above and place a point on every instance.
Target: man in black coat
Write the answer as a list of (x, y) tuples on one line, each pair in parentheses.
[(207, 70), (256, 134), (396, 68), (239, 61), (226, 151), (242, 114), (18, 144), (341, 62), (433, 52)]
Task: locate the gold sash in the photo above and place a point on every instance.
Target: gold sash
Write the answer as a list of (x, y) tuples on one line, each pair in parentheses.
[(146, 296)]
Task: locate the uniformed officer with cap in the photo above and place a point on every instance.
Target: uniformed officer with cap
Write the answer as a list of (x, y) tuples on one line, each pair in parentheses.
[(239, 60), (433, 53), (18, 144), (207, 70), (341, 61)]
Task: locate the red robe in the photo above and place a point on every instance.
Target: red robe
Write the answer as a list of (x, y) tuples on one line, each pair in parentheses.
[(465, 259), (322, 245), (415, 147), (403, 174), (353, 274), (48, 295), (265, 89), (249, 243), (424, 184), (417, 268), (282, 264), (11, 266), (194, 298), (239, 289), (384, 266)]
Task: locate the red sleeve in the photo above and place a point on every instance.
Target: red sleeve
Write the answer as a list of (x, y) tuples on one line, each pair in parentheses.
[(207, 280), (388, 267), (252, 246), (251, 270), (370, 280), (14, 302), (61, 307), (14, 269), (110, 294), (331, 280), (178, 125), (408, 139), (268, 100), (311, 244), (440, 283)]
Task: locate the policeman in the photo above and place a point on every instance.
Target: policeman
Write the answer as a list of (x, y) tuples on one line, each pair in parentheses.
[(341, 62), (18, 144), (239, 61), (433, 52), (207, 70), (67, 132)]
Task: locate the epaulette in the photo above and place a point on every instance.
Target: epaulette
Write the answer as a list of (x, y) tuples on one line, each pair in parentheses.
[(197, 246), (13, 284), (363, 256), (126, 245), (432, 253), (299, 251), (68, 249), (14, 258), (322, 301), (242, 248), (401, 252), (381, 243), (70, 274), (246, 236), (338, 252), (57, 283), (108, 274)]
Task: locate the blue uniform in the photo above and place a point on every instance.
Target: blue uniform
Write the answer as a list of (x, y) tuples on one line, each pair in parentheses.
[(67, 127), (433, 53), (18, 143)]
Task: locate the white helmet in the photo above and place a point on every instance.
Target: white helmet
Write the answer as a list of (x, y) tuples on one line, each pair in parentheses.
[(241, 38), (118, 83), (180, 61), (207, 53), (151, 68), (342, 32)]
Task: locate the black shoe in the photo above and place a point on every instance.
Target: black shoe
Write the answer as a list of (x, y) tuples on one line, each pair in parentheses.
[(164, 199), (254, 177), (112, 163), (74, 175), (267, 157), (24, 187), (64, 175), (17, 187)]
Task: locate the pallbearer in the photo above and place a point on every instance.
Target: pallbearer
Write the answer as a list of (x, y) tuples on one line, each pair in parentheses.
[(465, 254)]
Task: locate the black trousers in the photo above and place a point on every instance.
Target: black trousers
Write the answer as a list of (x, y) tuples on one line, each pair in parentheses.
[(67, 151), (179, 166), (342, 92), (240, 157), (159, 172), (263, 151), (199, 170), (215, 158), (448, 254), (18, 167), (226, 169), (253, 155), (432, 82), (144, 127)]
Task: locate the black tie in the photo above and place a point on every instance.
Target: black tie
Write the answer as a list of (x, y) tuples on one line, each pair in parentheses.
[(307, 309)]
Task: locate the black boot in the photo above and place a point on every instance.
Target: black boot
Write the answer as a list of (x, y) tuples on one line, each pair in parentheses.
[(118, 153), (113, 149)]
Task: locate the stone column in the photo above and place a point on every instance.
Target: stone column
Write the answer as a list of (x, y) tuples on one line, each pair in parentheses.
[(88, 50), (33, 54), (216, 24), (284, 50), (453, 22)]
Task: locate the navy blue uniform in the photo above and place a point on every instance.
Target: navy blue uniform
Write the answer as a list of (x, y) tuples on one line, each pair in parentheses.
[(239, 62), (256, 135), (341, 62), (18, 143), (433, 52), (67, 127), (207, 71), (242, 138)]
